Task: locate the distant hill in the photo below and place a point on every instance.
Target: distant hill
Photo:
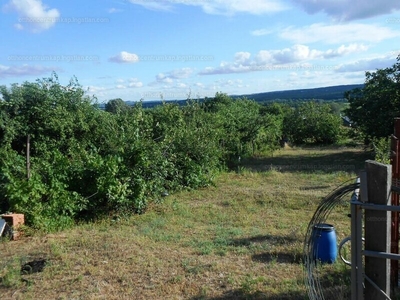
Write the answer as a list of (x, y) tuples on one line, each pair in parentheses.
[(329, 93)]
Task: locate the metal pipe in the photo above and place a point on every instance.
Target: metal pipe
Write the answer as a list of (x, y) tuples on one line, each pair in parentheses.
[(380, 254), (371, 206), (377, 287), (357, 279)]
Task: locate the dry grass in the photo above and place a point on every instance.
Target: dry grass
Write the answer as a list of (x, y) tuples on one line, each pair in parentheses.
[(241, 239)]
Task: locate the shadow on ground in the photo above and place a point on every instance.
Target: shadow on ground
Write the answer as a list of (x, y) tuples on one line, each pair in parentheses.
[(335, 283), (240, 295), (278, 257), (348, 161), (334, 286), (271, 239)]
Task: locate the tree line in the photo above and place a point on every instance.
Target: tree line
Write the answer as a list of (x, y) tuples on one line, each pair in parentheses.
[(62, 159)]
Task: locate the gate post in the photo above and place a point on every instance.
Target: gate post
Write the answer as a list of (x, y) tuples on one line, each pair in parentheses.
[(357, 269), (377, 229), (395, 162)]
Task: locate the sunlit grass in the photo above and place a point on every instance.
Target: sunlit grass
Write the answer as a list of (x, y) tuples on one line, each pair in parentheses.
[(240, 239)]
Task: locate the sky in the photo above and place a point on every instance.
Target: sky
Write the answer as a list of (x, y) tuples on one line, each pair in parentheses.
[(178, 49)]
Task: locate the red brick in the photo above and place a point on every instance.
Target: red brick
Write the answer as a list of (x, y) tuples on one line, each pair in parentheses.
[(14, 220)]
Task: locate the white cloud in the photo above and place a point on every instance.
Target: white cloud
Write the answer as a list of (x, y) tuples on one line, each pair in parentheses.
[(338, 33), (367, 64), (33, 15), (114, 10), (259, 32), (314, 79), (171, 77), (25, 70), (181, 85), (220, 7), (135, 83), (346, 10), (343, 50), (295, 57), (95, 89), (199, 85), (235, 86), (130, 83), (99, 92), (242, 57), (153, 5), (124, 57), (231, 82), (294, 54), (180, 73), (162, 78), (18, 26)]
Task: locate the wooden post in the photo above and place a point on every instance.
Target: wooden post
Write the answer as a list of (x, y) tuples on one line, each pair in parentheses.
[(377, 229)]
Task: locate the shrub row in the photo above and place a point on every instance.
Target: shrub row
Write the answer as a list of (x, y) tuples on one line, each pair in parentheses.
[(85, 162)]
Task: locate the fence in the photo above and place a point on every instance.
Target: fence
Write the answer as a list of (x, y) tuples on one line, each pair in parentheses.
[(374, 203), (375, 271)]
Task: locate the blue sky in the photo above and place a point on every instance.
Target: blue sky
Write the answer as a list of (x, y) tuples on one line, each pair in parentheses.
[(142, 49)]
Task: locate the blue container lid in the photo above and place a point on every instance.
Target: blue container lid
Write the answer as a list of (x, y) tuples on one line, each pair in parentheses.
[(324, 227)]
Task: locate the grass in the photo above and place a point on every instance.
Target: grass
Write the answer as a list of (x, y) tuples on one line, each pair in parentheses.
[(241, 239)]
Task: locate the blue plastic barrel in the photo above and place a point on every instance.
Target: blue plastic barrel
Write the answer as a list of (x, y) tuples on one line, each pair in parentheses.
[(324, 243)]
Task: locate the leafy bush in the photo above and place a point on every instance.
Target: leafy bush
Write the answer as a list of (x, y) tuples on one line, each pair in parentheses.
[(44, 198), (382, 150), (244, 128), (87, 163), (312, 123)]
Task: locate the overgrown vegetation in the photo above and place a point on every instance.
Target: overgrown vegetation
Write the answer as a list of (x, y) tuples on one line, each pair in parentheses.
[(313, 123), (240, 239), (86, 163), (238, 235), (374, 107)]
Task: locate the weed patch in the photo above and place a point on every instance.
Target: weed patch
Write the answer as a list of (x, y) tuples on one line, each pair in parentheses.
[(240, 239)]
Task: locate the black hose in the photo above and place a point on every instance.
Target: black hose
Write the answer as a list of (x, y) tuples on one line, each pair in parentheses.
[(313, 285)]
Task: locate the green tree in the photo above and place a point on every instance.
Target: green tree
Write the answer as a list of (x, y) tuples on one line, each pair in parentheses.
[(54, 116), (374, 107), (245, 125), (312, 123), (86, 162), (58, 120), (219, 100), (277, 112), (117, 106)]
